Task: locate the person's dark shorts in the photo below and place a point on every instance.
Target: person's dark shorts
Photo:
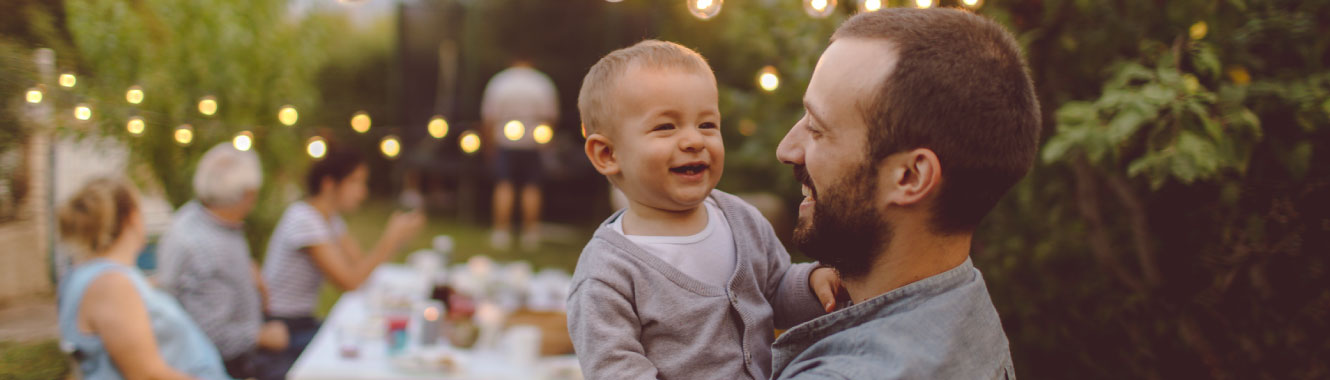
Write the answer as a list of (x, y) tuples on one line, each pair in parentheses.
[(519, 166)]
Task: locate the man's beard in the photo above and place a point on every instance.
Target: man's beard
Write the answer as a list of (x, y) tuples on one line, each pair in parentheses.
[(846, 232)]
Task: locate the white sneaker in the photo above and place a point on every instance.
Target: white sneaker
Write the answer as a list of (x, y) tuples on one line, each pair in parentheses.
[(501, 240)]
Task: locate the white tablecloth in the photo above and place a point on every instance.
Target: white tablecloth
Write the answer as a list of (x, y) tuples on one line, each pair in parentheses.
[(322, 361)]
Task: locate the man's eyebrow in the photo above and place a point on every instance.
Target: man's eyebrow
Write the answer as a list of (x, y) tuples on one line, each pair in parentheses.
[(814, 113)]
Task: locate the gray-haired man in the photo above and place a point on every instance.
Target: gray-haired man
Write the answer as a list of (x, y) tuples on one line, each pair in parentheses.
[(206, 263)]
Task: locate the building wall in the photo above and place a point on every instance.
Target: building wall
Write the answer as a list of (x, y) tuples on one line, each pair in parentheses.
[(24, 267)]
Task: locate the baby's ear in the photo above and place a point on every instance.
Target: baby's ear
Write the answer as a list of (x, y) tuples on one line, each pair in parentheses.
[(600, 150)]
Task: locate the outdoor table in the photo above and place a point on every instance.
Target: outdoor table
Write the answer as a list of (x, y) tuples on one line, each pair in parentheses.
[(321, 360)]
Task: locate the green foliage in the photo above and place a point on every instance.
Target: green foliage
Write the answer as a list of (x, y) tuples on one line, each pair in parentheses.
[(32, 361)]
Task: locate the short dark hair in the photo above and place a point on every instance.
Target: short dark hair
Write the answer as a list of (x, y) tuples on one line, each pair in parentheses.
[(960, 88), (339, 163)]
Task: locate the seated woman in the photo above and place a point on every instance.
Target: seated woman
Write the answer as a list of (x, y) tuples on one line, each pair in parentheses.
[(119, 326), (310, 243)]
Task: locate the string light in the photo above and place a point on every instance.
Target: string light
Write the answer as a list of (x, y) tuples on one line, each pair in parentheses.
[(1198, 30), (923, 4), (34, 95), (134, 126), (972, 4), (470, 142), (704, 9), (184, 134), (768, 79), (438, 127), (243, 141), (287, 115), (390, 146), (208, 105), (514, 130), (870, 5), (316, 147), (819, 8), (134, 95), (543, 133), (360, 122), (83, 112), (68, 80)]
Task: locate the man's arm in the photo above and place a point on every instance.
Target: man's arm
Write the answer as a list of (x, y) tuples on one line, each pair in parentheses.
[(209, 301), (605, 332)]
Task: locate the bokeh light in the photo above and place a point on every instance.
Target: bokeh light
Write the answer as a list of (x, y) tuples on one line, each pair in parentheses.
[(921, 4), (438, 127), (543, 133), (243, 141), (134, 95), (768, 78), (514, 130), (819, 8), (83, 112), (470, 142), (208, 105), (390, 146), (68, 80), (972, 4), (316, 148), (747, 127), (184, 134), (704, 9), (360, 122), (1198, 30), (870, 5), (34, 95), (135, 126), (288, 115)]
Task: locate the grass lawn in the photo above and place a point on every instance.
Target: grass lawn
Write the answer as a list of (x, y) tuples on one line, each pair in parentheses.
[(469, 239), (32, 360)]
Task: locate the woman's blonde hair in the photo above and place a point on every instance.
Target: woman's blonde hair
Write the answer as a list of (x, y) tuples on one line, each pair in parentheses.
[(95, 216)]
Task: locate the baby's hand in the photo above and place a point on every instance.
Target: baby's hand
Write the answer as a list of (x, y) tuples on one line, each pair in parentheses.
[(826, 284)]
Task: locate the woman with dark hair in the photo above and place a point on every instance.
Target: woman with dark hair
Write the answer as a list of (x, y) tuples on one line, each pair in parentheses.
[(311, 243), (119, 326)]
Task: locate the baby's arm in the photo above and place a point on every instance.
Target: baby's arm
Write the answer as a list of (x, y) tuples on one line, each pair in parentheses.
[(605, 333), (792, 299)]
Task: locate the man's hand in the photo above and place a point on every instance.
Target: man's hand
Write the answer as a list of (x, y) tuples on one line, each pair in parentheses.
[(825, 282), (273, 336)]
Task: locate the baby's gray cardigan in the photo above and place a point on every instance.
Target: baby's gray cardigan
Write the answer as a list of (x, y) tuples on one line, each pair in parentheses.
[(634, 316)]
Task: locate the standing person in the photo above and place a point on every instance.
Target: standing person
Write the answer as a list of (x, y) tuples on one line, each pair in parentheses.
[(528, 97), (311, 243), (119, 326), (918, 121), (206, 262)]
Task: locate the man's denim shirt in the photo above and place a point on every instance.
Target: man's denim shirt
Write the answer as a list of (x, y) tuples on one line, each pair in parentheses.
[(941, 327)]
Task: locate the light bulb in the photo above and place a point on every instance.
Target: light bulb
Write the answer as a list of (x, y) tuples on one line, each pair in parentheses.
[(134, 95), (390, 146), (819, 8), (68, 80), (316, 147), (470, 142), (768, 79), (972, 4), (288, 115), (135, 126), (438, 127), (543, 133), (360, 122), (921, 4), (704, 9), (514, 130), (34, 95), (243, 141), (83, 112), (870, 5), (208, 105), (184, 134)]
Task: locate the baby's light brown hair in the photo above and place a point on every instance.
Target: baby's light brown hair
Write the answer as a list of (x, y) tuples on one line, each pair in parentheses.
[(596, 100), (96, 215)]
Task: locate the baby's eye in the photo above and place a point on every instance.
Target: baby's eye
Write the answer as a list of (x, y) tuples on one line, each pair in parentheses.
[(709, 125), (663, 127)]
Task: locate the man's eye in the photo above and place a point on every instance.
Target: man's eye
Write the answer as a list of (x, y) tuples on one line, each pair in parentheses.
[(663, 127), (709, 126)]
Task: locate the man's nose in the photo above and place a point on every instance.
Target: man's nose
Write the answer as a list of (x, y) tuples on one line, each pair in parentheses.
[(791, 150)]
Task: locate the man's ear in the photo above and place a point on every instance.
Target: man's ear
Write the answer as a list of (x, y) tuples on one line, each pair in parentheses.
[(600, 150), (909, 177)]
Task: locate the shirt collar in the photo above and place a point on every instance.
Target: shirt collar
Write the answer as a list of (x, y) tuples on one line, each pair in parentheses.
[(212, 218)]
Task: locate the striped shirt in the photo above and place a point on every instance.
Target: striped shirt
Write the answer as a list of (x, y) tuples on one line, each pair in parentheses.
[(205, 264), (292, 277)]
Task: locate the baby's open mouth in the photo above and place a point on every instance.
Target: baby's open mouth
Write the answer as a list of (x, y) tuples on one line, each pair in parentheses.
[(690, 169)]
